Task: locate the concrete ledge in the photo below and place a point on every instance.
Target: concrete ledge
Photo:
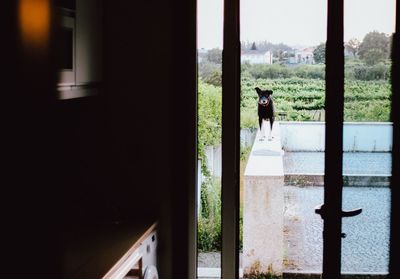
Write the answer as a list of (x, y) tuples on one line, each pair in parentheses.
[(367, 180), (266, 157), (304, 180)]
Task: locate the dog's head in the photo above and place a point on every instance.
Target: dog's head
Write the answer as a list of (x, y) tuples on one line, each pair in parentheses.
[(264, 96)]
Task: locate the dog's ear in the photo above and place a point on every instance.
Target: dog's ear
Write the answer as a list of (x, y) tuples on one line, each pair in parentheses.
[(270, 92), (258, 90)]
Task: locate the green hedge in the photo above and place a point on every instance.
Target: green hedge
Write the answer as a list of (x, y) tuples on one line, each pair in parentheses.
[(354, 70)]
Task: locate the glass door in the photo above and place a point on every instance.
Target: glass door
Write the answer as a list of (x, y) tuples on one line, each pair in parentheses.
[(367, 135), (336, 111)]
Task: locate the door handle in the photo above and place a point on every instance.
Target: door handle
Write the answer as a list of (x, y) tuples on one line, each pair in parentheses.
[(321, 210), (351, 213)]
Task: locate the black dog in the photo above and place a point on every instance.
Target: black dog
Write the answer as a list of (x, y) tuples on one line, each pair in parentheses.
[(265, 110)]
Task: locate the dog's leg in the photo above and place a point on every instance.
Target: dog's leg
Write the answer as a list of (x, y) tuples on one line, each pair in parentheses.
[(271, 122), (262, 128), (264, 124)]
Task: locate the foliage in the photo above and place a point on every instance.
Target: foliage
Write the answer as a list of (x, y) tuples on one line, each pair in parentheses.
[(209, 235), (260, 275), (378, 71), (374, 48), (302, 98), (254, 272), (319, 54), (309, 71), (355, 69), (276, 71), (215, 56), (209, 222), (353, 46), (268, 71), (209, 116), (210, 73)]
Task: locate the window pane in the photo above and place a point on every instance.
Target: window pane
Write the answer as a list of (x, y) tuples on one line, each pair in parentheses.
[(283, 52), (367, 137), (209, 18)]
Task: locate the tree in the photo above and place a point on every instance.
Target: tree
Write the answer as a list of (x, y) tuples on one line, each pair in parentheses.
[(319, 53), (353, 46), (215, 55), (374, 48)]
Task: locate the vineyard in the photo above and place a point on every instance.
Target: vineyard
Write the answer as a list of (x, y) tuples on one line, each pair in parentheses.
[(304, 99)]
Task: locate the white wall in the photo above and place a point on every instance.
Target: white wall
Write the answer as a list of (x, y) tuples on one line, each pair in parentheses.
[(310, 136), (360, 137), (214, 159)]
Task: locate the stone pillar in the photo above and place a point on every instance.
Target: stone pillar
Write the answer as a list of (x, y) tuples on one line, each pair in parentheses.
[(264, 207)]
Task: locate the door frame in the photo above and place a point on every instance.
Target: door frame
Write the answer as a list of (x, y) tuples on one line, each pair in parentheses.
[(230, 182), (394, 267)]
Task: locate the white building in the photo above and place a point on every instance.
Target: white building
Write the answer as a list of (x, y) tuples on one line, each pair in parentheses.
[(305, 55), (256, 57)]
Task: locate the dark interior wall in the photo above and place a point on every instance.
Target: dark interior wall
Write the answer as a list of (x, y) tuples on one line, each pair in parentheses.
[(117, 146), (117, 149), (137, 94), (105, 158)]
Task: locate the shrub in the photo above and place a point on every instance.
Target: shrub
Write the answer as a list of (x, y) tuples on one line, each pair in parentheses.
[(209, 222), (276, 71), (376, 72), (310, 71), (209, 116), (268, 71), (210, 72), (209, 235), (249, 117)]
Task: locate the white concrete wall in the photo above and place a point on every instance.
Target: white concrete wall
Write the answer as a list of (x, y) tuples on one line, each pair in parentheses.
[(247, 136), (370, 137), (303, 136), (310, 136), (357, 137), (214, 159)]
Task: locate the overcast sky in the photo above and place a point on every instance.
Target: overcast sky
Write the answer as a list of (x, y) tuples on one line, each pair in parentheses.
[(294, 22)]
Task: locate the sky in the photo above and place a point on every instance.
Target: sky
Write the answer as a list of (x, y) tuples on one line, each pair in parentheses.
[(293, 22)]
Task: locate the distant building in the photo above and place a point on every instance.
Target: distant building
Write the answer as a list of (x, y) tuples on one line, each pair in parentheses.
[(256, 56), (304, 56), (201, 54)]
